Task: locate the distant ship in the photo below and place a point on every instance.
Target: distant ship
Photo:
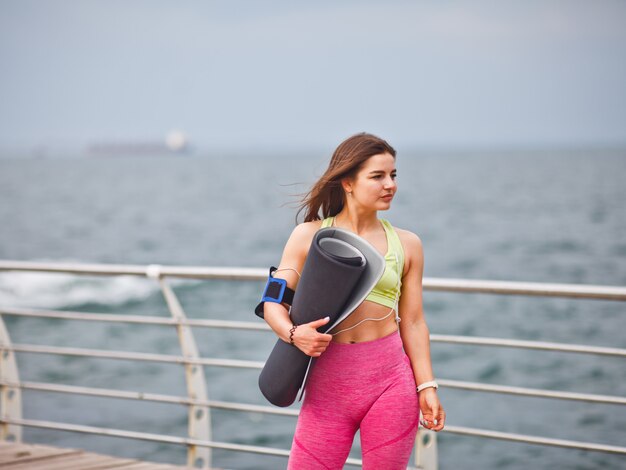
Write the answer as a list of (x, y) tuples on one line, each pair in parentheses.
[(175, 142)]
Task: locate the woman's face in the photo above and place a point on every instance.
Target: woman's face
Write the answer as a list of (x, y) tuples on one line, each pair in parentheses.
[(374, 186)]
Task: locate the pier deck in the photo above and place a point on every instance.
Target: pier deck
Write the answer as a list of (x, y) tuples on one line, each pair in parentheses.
[(18, 456)]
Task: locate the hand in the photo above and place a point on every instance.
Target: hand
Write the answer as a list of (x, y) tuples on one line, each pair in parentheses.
[(431, 410), (310, 341)]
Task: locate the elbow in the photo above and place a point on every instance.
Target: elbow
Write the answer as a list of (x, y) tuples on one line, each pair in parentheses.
[(414, 323)]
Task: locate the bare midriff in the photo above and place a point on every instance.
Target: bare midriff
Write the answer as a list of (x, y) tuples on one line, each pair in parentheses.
[(368, 330)]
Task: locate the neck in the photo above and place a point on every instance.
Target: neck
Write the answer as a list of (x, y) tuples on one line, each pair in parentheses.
[(356, 221)]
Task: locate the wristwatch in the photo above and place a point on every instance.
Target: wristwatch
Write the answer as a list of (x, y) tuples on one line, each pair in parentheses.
[(429, 384)]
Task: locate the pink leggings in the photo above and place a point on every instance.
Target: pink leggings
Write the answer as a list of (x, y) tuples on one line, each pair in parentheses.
[(367, 386)]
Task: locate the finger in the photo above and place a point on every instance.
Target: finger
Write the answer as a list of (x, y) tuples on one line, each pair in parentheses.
[(317, 323), (312, 352), (435, 413), (326, 338), (427, 420), (439, 426), (441, 420)]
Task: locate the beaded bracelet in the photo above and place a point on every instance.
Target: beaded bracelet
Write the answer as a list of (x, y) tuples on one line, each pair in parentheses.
[(291, 332)]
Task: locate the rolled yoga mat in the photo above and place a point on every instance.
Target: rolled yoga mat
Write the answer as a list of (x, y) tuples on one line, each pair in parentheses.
[(340, 270)]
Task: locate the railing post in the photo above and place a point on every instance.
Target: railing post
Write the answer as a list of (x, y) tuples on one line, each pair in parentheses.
[(10, 395), (426, 450), (199, 416)]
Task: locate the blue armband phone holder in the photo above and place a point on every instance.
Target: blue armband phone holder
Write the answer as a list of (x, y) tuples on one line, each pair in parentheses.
[(275, 291)]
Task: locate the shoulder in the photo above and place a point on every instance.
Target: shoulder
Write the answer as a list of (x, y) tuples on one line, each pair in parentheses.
[(302, 234), (297, 247), (306, 229), (412, 246), (410, 241)]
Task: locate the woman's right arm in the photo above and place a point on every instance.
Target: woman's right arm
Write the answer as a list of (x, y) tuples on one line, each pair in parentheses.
[(305, 337)]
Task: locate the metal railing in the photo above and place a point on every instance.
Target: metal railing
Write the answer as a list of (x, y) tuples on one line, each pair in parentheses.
[(199, 442)]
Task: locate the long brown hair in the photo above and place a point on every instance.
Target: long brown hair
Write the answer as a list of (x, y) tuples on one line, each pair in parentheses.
[(327, 193)]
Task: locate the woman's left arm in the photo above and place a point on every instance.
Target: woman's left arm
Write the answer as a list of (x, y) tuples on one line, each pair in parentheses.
[(414, 331)]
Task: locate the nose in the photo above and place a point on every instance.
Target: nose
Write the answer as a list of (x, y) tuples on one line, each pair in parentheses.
[(389, 183)]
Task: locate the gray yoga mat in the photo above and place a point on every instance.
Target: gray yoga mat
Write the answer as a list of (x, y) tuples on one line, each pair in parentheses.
[(340, 270)]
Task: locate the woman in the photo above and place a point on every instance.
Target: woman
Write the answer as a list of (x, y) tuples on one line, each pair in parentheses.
[(366, 373)]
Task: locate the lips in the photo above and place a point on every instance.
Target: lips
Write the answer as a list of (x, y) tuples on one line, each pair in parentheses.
[(387, 197)]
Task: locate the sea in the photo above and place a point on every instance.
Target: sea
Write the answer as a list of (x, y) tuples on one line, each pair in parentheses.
[(552, 216)]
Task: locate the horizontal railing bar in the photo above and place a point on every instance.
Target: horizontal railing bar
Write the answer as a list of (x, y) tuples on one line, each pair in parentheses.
[(505, 436), (234, 273), (151, 397), (235, 363), (140, 319), (141, 436), (225, 273), (232, 406), (110, 432), (134, 356), (470, 340), (280, 452), (487, 286), (524, 344), (457, 384), (533, 392)]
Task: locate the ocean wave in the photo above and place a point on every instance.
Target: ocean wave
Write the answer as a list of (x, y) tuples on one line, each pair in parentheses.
[(60, 290), (52, 290)]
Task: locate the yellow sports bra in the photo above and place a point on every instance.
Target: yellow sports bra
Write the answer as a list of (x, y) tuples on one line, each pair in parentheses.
[(387, 291)]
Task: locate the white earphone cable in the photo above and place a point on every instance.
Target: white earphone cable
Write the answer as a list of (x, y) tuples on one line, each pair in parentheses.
[(394, 308)]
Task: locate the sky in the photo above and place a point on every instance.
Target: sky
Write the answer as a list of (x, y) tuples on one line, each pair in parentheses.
[(266, 75)]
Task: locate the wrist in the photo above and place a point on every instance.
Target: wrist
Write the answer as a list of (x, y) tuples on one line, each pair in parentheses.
[(424, 385), (292, 331)]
